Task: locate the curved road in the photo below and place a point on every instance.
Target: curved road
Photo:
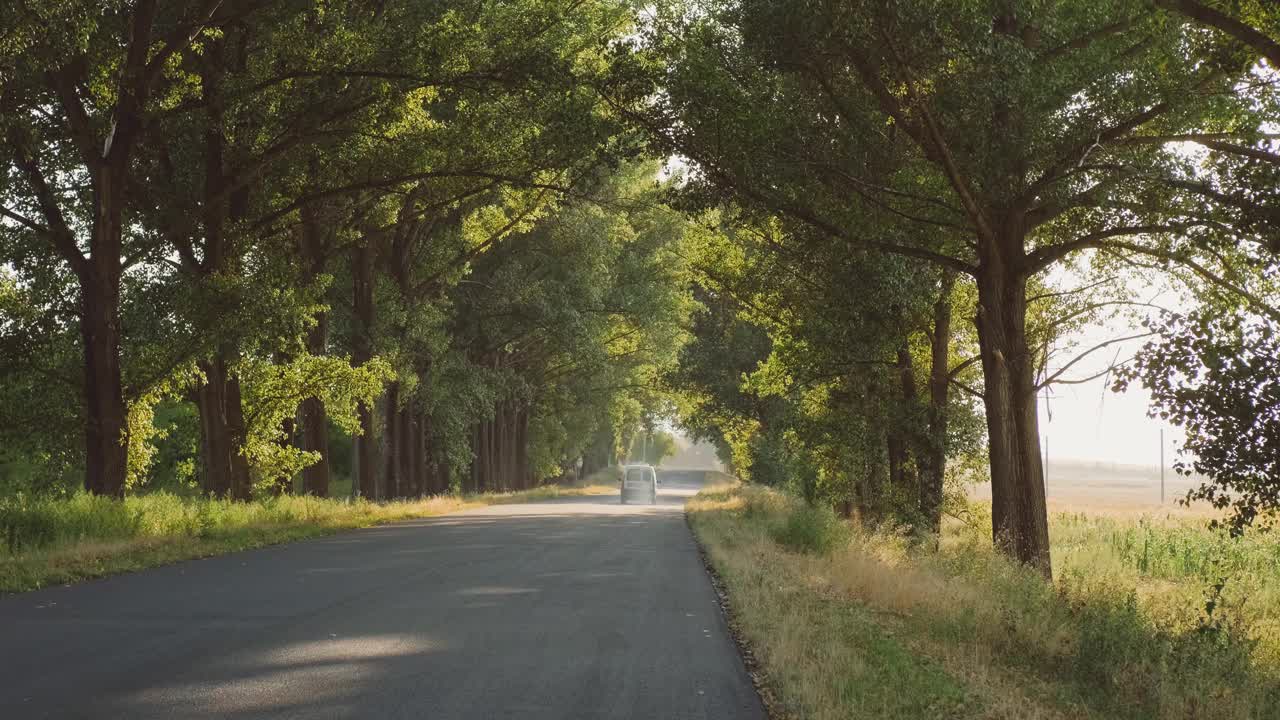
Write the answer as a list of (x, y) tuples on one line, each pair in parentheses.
[(574, 608)]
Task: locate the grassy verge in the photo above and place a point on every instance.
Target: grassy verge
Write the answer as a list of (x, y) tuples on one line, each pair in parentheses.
[(852, 624), (49, 542)]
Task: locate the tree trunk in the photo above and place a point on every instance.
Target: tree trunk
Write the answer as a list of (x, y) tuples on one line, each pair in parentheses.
[(315, 420), (475, 458), (869, 487), (501, 444), (526, 471), (419, 456), (933, 458), (106, 413), (479, 472), (431, 474), (391, 476), (241, 480), (106, 417), (406, 441), (315, 438), (909, 420), (444, 472), (896, 447), (223, 430), (362, 351), (313, 251), (215, 435), (1019, 519)]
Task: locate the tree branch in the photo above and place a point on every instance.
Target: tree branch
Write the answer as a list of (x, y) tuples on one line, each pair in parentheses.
[(1049, 380), (1042, 257), (1254, 38), (60, 235), (966, 388)]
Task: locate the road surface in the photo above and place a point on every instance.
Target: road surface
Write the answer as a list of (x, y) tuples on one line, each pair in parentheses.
[(574, 608)]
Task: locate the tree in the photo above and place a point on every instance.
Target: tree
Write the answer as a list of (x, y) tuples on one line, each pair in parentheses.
[(76, 102), (1213, 373), (993, 141)]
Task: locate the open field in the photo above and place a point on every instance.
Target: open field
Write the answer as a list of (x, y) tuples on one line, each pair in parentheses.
[(875, 627), (1113, 488), (44, 542)]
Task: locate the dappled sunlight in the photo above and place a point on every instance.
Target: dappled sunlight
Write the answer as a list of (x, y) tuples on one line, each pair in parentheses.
[(324, 674)]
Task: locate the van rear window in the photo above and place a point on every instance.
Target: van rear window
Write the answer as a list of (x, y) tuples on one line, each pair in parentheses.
[(636, 475)]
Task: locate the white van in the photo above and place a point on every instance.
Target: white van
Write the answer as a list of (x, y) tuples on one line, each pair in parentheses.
[(639, 484)]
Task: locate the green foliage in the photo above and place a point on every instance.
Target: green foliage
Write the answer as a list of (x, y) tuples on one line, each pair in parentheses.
[(811, 529), (652, 448), (1214, 374), (176, 462), (143, 430), (264, 145), (273, 392)]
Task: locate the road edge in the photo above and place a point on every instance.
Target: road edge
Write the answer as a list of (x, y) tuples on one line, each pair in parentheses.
[(752, 666)]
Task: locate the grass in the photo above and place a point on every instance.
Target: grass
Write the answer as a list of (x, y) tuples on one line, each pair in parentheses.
[(56, 541), (853, 624)]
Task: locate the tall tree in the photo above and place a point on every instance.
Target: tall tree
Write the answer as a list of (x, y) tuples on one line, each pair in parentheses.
[(76, 102), (1018, 125)]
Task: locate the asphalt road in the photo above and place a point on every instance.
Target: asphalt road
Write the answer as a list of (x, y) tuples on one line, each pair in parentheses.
[(575, 608)]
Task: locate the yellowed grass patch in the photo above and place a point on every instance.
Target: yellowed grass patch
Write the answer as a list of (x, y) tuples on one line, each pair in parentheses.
[(1105, 641)]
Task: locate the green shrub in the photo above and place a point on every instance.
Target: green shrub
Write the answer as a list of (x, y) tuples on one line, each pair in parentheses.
[(811, 529)]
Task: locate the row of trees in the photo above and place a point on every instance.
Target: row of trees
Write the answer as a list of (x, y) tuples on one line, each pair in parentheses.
[(909, 183), (235, 233)]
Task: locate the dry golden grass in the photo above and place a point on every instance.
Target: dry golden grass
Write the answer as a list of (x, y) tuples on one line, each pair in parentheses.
[(1002, 643), (825, 657)]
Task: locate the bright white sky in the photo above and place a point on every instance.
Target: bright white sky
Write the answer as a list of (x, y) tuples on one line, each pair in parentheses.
[(1088, 421)]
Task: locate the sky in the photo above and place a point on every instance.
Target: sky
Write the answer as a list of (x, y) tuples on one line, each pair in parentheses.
[(1090, 422)]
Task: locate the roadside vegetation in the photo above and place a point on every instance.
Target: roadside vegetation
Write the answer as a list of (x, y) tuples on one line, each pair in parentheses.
[(49, 541), (880, 626), (403, 243)]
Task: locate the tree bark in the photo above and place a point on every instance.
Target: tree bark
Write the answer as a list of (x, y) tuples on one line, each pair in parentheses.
[(405, 441), (909, 428), (313, 251), (419, 456), (1019, 517), (362, 352), (444, 472), (106, 416), (898, 435), (391, 476), (933, 458), (480, 473), (870, 489), (241, 480), (211, 400), (223, 430), (315, 420), (502, 445), (524, 472)]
